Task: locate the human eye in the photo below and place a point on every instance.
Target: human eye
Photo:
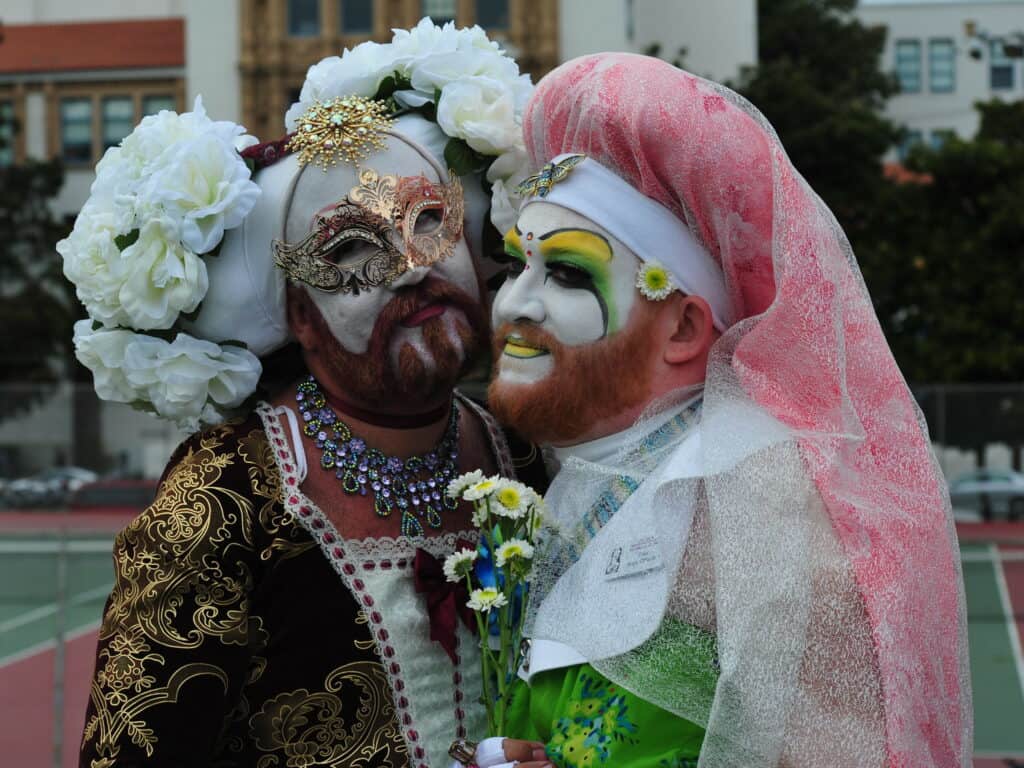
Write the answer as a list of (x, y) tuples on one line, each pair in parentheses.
[(569, 275), (428, 221), (351, 247), (511, 261)]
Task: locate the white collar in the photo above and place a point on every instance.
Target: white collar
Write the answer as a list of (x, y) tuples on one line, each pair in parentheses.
[(603, 449)]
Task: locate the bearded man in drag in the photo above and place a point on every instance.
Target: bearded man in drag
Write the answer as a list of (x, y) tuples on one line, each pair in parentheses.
[(282, 602), (750, 559)]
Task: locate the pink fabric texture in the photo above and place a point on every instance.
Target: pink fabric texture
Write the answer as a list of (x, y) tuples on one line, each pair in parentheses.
[(807, 348)]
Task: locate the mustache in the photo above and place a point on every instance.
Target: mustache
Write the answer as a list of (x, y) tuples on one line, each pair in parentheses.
[(413, 298)]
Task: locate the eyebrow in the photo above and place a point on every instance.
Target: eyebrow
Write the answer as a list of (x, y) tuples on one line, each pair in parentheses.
[(581, 241)]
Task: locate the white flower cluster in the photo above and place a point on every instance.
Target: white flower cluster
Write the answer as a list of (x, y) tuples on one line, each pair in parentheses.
[(187, 380), (477, 89), (161, 200), (482, 93)]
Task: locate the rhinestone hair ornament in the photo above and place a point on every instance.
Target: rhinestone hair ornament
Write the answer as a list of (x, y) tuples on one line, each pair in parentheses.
[(346, 129), (382, 211), (540, 183)]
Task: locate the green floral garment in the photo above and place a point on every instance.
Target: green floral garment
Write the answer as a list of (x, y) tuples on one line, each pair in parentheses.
[(588, 721)]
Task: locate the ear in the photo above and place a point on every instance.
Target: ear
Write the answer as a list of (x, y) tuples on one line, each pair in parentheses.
[(300, 318), (693, 332)]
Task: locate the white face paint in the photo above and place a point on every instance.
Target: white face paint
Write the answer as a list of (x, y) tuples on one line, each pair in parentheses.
[(351, 317), (569, 278)]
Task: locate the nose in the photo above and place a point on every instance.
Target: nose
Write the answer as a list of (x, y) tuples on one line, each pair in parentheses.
[(411, 277), (519, 299)]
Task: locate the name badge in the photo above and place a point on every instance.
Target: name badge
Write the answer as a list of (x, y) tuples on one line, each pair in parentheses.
[(641, 556)]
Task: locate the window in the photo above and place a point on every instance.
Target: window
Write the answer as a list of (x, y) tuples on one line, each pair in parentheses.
[(1001, 68), (940, 136), (6, 133), (911, 139), (76, 130), (303, 18), (941, 65), (439, 11), (356, 17), (492, 14), (118, 119), (157, 103), (908, 65)]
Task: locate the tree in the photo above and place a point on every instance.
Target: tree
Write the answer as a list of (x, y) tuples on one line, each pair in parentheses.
[(36, 305), (818, 82), (960, 316)]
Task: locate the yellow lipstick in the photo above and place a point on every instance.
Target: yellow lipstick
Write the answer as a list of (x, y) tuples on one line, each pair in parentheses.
[(518, 347)]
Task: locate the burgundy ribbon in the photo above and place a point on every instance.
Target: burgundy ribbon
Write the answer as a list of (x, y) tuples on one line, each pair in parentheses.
[(446, 600), (268, 152)]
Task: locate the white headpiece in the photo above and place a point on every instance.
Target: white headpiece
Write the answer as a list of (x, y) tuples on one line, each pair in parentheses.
[(645, 226), (178, 313)]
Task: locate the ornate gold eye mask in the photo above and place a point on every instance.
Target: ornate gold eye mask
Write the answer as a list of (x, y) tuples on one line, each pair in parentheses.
[(386, 226)]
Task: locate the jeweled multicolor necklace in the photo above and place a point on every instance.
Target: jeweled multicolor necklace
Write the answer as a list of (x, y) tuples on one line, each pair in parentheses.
[(416, 485)]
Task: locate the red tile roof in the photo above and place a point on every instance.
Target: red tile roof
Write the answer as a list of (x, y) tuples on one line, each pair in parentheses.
[(36, 48), (900, 174)]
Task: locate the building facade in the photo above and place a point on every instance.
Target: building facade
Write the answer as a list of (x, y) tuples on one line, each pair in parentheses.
[(77, 76), (946, 56), (280, 39)]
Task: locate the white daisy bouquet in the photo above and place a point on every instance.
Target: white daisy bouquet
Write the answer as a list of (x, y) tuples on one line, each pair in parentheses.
[(497, 572)]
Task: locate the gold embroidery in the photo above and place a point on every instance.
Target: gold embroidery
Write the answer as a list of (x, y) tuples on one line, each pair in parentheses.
[(288, 538), (182, 583), (179, 581), (310, 730)]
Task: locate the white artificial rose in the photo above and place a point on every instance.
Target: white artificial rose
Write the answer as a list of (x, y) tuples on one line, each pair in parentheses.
[(424, 39), (504, 206), (481, 111), (357, 72), (102, 352), (161, 278), (205, 186), (434, 72), (237, 376), (93, 262), (180, 377), (505, 174)]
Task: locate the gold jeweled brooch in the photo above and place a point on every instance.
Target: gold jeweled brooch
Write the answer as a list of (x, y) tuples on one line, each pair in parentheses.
[(540, 183), (346, 128)]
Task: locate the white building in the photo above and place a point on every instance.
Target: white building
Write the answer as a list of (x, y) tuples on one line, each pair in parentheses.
[(78, 76), (713, 39), (947, 55)]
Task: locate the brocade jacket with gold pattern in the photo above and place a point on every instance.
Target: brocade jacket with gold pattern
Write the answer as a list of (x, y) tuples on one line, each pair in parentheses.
[(243, 631)]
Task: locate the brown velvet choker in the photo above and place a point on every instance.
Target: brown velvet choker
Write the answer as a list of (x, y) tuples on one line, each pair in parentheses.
[(388, 420)]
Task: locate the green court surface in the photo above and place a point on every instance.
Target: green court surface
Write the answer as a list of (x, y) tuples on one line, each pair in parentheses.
[(33, 584), (33, 580), (997, 669)]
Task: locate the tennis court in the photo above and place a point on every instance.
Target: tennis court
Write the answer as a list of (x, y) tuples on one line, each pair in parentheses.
[(53, 561)]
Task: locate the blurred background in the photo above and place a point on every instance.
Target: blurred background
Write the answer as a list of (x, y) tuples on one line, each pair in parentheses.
[(907, 117)]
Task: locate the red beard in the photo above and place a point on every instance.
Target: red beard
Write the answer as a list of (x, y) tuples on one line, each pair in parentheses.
[(587, 384), (370, 379)]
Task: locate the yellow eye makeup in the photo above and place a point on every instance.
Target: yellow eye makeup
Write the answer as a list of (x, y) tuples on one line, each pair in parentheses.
[(579, 242), (514, 244)]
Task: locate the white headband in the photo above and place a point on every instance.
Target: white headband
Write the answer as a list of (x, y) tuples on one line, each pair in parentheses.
[(644, 226)]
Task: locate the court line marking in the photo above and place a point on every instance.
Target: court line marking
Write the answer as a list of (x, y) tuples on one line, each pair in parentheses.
[(48, 645), (51, 608), (41, 546), (988, 556), (1011, 621)]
